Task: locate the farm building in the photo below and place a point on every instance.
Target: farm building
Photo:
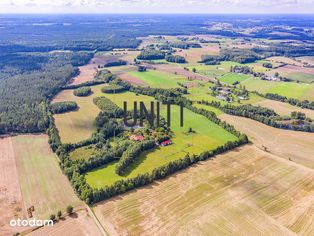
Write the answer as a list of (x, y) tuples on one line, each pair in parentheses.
[(137, 137)]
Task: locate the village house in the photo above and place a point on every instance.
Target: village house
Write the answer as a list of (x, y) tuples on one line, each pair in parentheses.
[(166, 143), (137, 137)]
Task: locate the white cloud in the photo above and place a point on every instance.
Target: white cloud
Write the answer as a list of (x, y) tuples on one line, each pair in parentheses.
[(204, 6)]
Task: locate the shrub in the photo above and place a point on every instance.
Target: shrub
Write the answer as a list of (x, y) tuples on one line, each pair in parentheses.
[(113, 88), (61, 107), (69, 209), (82, 92)]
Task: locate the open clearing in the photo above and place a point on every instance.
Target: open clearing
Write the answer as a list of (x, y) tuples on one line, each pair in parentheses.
[(194, 55), (88, 71), (245, 191), (79, 224), (298, 146), (78, 125), (207, 136), (284, 109)]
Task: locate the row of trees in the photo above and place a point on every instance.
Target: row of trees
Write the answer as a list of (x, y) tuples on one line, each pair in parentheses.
[(132, 153)]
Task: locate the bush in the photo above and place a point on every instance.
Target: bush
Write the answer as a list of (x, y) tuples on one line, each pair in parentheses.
[(61, 107), (82, 92), (52, 217), (59, 214), (69, 209), (113, 88)]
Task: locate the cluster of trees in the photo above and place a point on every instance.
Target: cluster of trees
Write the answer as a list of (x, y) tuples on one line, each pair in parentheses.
[(82, 91), (211, 59), (107, 106), (239, 55), (151, 54), (185, 45), (85, 84), (115, 63), (267, 65), (241, 69), (113, 88), (175, 59), (292, 101), (104, 75), (133, 152), (62, 107)]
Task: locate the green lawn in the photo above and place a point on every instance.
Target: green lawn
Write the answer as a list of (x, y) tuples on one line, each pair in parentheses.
[(207, 136), (231, 78), (159, 79), (288, 89)]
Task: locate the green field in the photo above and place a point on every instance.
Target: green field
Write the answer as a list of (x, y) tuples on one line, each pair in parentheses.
[(302, 77), (231, 78), (158, 79), (288, 89), (40, 176), (207, 136)]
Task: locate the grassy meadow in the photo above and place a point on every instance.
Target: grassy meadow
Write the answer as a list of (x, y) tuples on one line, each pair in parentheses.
[(159, 79)]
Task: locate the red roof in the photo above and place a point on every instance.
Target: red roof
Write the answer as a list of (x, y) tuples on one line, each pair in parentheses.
[(137, 137), (167, 142)]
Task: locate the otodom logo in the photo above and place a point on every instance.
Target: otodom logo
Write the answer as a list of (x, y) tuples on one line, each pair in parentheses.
[(31, 222), (152, 118)]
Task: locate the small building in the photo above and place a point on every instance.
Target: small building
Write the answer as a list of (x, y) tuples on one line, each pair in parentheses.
[(137, 137), (166, 143)]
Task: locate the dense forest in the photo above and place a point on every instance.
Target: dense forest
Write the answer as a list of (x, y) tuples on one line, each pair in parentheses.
[(24, 97)]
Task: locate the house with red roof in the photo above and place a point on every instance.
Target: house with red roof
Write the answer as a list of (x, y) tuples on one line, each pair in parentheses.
[(166, 143), (137, 137)]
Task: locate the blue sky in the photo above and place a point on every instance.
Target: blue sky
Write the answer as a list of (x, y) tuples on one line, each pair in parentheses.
[(156, 6)]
